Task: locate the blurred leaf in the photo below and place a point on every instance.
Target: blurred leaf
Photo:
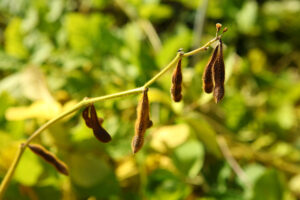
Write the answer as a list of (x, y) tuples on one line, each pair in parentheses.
[(88, 170), (56, 9), (294, 184), (169, 137), (273, 180), (285, 116), (31, 169), (14, 39), (126, 169), (163, 184), (155, 12), (33, 84), (39, 109), (204, 131), (30, 21), (246, 18), (8, 62), (189, 158), (190, 4), (179, 40), (158, 96)]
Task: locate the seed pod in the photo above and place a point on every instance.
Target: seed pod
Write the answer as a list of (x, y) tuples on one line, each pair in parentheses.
[(150, 123), (207, 75), (137, 143), (99, 132), (50, 158), (142, 123), (87, 118), (219, 75), (176, 83)]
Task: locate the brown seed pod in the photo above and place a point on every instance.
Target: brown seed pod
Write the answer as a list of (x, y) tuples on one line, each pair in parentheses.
[(137, 143), (177, 83), (99, 132), (219, 75), (87, 118), (50, 158), (142, 123), (207, 74)]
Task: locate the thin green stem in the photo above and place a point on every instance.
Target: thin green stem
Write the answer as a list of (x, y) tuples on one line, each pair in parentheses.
[(163, 71), (11, 171), (86, 101), (112, 96), (203, 48)]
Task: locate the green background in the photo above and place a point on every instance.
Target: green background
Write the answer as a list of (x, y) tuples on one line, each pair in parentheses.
[(55, 53)]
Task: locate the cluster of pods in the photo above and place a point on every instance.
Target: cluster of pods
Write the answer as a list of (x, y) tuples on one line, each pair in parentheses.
[(213, 81)]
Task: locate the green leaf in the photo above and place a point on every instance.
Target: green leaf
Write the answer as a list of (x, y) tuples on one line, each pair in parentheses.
[(162, 184), (246, 17), (14, 39), (189, 158), (30, 169), (204, 132), (269, 186), (88, 170)]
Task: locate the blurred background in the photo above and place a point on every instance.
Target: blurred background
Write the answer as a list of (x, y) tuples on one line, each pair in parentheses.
[(55, 53)]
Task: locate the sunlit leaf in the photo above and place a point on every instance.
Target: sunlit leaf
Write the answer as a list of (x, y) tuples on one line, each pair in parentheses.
[(169, 137)]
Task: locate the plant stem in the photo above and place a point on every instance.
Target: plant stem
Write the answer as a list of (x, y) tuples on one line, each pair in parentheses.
[(201, 48), (87, 101), (11, 171), (163, 71)]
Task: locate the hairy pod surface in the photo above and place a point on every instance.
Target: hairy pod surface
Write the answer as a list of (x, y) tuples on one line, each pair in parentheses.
[(137, 143), (219, 75), (142, 122), (207, 78), (99, 132), (177, 83), (50, 158)]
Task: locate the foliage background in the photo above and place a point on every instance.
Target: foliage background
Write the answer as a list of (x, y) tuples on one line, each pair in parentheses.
[(54, 53)]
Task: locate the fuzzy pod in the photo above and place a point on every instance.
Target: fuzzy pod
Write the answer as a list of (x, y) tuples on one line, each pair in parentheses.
[(207, 78), (142, 123), (50, 158), (219, 75), (137, 143), (99, 132), (177, 83)]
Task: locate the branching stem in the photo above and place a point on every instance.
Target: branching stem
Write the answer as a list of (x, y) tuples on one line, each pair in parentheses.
[(84, 103)]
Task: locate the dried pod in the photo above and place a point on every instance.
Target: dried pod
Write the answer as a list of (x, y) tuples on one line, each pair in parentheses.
[(142, 122), (207, 75), (99, 132), (50, 158), (87, 118), (219, 75), (150, 123), (177, 83), (225, 30), (137, 143)]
